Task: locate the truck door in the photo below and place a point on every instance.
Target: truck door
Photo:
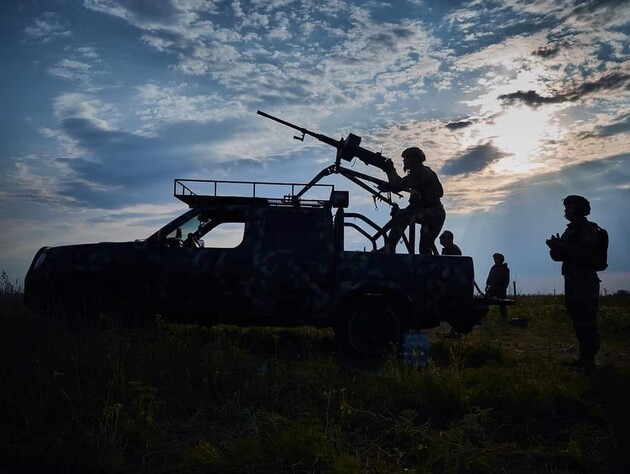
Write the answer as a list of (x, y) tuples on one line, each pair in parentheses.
[(205, 268), (292, 266)]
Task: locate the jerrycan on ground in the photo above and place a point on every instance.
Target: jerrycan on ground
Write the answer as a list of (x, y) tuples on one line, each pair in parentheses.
[(415, 349)]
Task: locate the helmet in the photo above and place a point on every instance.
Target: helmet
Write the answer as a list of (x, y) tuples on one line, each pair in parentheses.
[(499, 257), (414, 153), (580, 203)]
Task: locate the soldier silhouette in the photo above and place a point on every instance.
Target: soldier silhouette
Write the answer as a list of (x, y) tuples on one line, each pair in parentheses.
[(578, 250), (498, 281), (424, 207), (448, 246)]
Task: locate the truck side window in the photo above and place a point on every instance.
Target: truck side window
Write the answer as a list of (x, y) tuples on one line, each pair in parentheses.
[(226, 235)]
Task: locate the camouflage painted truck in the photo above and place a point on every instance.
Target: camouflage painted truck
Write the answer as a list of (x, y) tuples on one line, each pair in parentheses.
[(245, 259), (285, 264)]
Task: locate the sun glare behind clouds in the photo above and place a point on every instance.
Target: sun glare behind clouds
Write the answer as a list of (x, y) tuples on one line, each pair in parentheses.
[(520, 132)]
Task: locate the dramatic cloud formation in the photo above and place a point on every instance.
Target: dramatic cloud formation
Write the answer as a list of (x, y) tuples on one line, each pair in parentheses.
[(609, 82)]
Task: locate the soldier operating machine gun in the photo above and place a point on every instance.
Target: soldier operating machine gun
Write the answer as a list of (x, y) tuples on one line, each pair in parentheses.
[(349, 148)]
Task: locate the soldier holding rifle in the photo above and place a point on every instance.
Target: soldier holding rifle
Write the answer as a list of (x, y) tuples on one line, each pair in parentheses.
[(579, 250)]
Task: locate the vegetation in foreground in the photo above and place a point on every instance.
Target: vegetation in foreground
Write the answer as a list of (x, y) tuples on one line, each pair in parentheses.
[(190, 399)]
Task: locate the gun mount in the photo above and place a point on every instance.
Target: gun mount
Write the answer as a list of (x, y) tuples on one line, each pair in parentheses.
[(347, 149)]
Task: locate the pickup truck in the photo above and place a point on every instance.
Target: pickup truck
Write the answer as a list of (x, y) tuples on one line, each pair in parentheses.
[(255, 260)]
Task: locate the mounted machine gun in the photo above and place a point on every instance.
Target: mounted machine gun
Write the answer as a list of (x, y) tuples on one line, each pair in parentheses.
[(347, 149)]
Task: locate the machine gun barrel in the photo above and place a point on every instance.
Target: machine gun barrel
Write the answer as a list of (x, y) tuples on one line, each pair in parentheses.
[(347, 148), (323, 138)]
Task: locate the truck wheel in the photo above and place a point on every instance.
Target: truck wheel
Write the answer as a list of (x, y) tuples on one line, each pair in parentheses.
[(370, 328)]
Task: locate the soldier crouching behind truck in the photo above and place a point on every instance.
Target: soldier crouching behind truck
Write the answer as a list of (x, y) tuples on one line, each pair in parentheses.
[(578, 251), (448, 245), (424, 207)]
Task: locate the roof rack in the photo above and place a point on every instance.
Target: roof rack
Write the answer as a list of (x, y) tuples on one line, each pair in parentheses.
[(196, 192)]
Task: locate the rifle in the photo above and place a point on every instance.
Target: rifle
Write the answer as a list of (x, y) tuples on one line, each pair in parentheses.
[(347, 148)]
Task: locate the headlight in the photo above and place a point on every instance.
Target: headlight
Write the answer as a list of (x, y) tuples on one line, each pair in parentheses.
[(39, 261)]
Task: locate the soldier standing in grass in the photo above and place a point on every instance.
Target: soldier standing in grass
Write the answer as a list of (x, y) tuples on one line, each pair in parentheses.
[(578, 249), (498, 281), (424, 207)]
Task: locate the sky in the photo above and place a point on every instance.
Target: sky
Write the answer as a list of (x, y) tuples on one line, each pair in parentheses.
[(516, 105)]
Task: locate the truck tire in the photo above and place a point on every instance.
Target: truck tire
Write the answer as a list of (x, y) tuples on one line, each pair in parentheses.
[(369, 327)]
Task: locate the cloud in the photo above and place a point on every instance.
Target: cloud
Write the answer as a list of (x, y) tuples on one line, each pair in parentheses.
[(96, 164), (173, 105), (508, 52), (99, 165), (612, 81), (81, 106), (458, 125), (548, 51), (88, 52), (149, 215), (620, 126), (509, 20), (599, 180), (531, 98), (610, 12), (333, 54), (608, 82), (72, 70), (152, 15), (474, 159), (46, 27)]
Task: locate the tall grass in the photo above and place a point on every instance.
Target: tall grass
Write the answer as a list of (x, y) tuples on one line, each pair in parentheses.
[(171, 398)]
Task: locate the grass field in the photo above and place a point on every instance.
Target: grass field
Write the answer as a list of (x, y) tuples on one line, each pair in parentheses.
[(190, 399)]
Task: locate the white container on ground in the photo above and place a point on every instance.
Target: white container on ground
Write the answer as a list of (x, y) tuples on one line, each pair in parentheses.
[(415, 349)]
